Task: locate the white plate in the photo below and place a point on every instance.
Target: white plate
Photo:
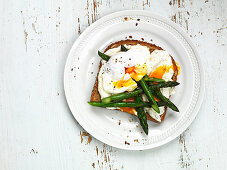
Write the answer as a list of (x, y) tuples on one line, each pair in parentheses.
[(82, 66)]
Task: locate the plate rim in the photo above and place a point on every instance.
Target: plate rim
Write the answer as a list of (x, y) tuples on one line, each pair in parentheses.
[(202, 79)]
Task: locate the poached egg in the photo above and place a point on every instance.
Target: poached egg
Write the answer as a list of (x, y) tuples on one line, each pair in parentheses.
[(118, 74)]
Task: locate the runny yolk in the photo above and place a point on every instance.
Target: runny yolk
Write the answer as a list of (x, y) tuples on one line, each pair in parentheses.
[(178, 68), (130, 70), (130, 110), (160, 71), (136, 72), (123, 83)]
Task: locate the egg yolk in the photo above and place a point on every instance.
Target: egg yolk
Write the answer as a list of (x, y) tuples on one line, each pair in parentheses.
[(137, 72), (130, 110), (178, 68), (124, 83), (160, 71), (130, 70)]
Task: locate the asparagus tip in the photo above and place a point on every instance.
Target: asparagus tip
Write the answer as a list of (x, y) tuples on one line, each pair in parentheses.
[(146, 131), (156, 108), (177, 110)]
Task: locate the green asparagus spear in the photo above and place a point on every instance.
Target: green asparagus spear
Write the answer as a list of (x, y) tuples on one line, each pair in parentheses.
[(149, 95), (142, 115), (120, 104), (121, 96), (160, 104), (125, 104), (153, 79), (164, 84), (126, 95), (123, 48), (103, 56), (159, 95)]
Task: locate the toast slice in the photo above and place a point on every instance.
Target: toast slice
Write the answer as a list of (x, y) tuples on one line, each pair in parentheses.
[(95, 96)]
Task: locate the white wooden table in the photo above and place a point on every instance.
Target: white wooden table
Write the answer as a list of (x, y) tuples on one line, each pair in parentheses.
[(37, 130)]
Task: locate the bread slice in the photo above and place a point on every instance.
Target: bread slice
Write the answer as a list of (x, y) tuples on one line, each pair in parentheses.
[(95, 96)]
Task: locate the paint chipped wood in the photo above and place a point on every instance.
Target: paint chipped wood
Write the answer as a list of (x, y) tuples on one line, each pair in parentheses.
[(85, 134), (35, 41)]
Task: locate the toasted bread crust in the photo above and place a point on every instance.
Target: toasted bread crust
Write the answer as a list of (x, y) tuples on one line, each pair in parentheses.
[(95, 96), (151, 47)]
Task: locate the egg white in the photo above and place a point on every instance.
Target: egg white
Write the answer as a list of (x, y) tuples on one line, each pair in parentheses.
[(114, 70)]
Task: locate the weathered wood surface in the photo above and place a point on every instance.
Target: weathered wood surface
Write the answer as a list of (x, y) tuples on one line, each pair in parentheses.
[(37, 130)]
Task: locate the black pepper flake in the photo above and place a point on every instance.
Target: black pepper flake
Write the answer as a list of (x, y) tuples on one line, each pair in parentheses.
[(142, 39), (136, 24), (130, 59), (138, 19), (71, 69), (91, 72), (130, 36), (126, 143)]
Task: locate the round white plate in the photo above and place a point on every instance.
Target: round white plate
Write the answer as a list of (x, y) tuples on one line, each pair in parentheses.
[(120, 129)]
